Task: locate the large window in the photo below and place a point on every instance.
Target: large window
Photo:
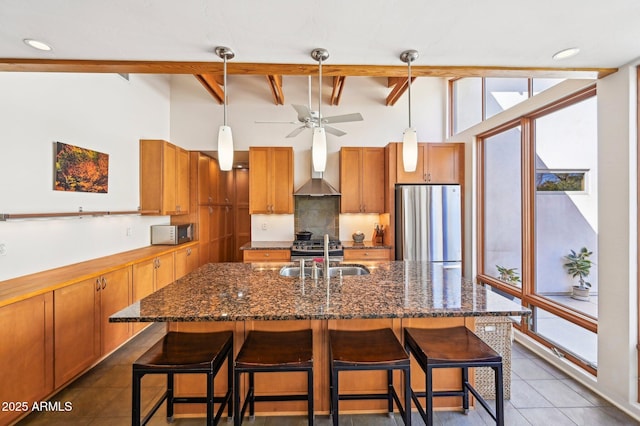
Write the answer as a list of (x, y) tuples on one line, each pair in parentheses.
[(475, 99), (537, 208)]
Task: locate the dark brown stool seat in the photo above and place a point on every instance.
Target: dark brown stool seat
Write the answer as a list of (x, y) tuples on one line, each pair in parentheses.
[(368, 350), (454, 347), (181, 353), (269, 352)]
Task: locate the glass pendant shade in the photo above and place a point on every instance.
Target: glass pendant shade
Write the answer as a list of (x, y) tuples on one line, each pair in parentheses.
[(410, 150), (225, 148), (319, 149)]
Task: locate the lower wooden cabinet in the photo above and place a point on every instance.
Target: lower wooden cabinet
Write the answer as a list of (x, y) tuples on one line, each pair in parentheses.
[(267, 255), (81, 322), (26, 353), (187, 260), (363, 254), (150, 275)]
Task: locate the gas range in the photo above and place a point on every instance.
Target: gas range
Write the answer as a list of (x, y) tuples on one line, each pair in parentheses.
[(312, 249)]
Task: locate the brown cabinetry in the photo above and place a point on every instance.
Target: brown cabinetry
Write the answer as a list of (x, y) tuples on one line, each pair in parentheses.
[(26, 353), (366, 254), (270, 180), (267, 255), (81, 328), (164, 177), (362, 180), (186, 260), (437, 163)]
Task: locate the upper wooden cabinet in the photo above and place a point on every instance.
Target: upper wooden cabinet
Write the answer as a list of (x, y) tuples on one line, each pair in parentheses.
[(437, 163), (362, 180), (270, 180), (164, 177)]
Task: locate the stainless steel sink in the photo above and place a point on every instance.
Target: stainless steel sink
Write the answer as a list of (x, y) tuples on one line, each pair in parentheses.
[(334, 271)]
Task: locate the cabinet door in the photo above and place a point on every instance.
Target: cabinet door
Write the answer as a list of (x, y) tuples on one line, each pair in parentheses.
[(76, 328), (186, 261), (169, 161), (351, 180), (114, 295), (165, 270), (214, 179), (182, 181), (202, 167), (281, 176), (26, 352), (143, 285), (373, 180), (445, 162), (410, 177), (259, 190), (204, 233)]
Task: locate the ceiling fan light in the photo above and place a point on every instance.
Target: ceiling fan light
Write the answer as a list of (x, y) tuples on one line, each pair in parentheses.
[(410, 150), (225, 148), (319, 149)]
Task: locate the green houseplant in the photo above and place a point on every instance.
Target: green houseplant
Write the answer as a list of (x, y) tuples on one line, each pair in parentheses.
[(579, 265), (508, 275)]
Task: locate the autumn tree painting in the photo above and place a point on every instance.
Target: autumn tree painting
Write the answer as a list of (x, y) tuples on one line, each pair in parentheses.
[(81, 170)]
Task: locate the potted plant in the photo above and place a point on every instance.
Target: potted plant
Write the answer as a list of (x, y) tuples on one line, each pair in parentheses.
[(508, 275), (579, 265)]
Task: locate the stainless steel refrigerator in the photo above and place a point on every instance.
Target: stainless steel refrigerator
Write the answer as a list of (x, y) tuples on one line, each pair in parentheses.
[(428, 223)]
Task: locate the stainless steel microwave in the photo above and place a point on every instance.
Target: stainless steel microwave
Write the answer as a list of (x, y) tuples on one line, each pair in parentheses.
[(171, 234)]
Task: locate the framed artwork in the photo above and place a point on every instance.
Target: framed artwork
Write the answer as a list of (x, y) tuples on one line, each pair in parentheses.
[(80, 169)]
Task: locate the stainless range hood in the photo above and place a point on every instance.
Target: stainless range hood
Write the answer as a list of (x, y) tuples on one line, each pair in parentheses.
[(316, 187)]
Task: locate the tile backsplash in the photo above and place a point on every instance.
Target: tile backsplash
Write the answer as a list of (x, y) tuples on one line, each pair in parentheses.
[(319, 215)]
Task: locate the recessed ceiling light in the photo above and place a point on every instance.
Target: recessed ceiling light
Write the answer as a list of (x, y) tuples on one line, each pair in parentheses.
[(37, 44), (566, 53)]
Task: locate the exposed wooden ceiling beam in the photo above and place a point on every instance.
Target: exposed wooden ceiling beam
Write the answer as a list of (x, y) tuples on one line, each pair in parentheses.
[(164, 67), (275, 83), (401, 85), (338, 85), (211, 83)]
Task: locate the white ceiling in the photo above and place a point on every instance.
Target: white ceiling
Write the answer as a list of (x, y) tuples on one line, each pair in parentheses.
[(369, 32)]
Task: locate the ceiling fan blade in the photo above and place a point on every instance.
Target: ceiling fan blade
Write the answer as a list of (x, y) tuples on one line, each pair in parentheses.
[(276, 122), (343, 118), (334, 131), (296, 132), (304, 113)]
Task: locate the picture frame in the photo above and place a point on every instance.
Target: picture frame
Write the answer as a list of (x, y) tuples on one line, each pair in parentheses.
[(79, 169)]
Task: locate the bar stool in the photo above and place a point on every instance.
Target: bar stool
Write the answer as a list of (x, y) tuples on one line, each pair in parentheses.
[(455, 347), (368, 350), (185, 353), (273, 352)]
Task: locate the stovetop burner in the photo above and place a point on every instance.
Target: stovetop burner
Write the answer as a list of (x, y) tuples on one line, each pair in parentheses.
[(316, 244)]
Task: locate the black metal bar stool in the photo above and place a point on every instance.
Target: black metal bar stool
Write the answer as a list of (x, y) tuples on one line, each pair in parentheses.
[(186, 353), (454, 347), (273, 352), (368, 350)]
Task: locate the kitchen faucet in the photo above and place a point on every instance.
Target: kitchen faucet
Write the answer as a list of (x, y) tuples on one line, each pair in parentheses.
[(325, 263)]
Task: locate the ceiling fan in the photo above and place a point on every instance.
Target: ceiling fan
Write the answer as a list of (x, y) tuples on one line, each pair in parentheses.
[(310, 119)]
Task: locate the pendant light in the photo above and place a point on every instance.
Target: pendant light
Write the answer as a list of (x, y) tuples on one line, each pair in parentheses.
[(319, 141), (225, 138), (410, 136)]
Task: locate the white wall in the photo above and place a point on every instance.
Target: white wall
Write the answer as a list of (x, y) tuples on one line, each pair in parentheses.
[(617, 222), (103, 112), (195, 118)]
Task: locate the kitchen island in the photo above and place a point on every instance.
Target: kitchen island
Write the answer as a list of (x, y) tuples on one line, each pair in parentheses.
[(395, 294)]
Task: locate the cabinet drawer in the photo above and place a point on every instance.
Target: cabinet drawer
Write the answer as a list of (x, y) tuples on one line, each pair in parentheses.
[(267, 255), (367, 254)]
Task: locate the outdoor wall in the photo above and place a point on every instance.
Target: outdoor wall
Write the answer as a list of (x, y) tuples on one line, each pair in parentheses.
[(102, 112), (195, 118)]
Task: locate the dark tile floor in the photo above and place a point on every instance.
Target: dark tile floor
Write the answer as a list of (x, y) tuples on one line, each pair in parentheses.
[(540, 395)]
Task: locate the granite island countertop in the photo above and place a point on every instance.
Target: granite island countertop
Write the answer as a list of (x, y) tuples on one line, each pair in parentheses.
[(394, 289)]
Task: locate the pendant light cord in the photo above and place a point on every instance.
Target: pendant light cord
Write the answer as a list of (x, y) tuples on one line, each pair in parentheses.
[(224, 68), (409, 91), (319, 91)]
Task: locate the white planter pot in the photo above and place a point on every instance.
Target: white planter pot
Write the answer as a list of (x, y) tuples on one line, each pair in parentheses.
[(580, 293)]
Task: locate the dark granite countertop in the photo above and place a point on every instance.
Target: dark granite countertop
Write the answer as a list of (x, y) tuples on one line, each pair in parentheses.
[(267, 245), (241, 291), (365, 245)]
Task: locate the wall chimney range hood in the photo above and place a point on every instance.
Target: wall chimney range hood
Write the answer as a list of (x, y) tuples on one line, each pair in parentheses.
[(316, 187)]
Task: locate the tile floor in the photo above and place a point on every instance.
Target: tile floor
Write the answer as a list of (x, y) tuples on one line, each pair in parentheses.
[(540, 395)]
